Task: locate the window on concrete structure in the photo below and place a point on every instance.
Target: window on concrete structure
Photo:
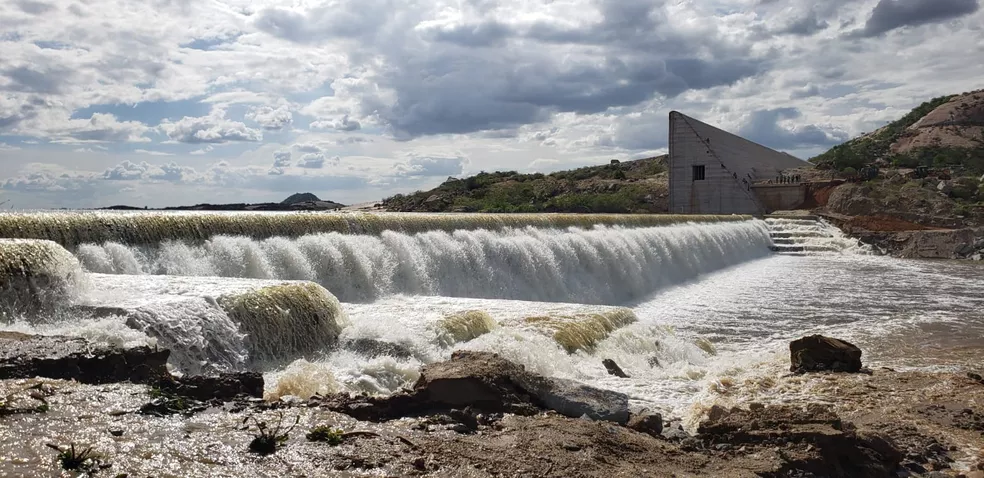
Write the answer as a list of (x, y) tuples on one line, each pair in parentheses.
[(698, 173)]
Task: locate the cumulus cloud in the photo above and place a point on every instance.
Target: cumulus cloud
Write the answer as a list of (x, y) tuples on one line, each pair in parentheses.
[(891, 14), (43, 181), (271, 119), (439, 166), (281, 161), (130, 171), (214, 128), (100, 127), (341, 124), (207, 149), (312, 161)]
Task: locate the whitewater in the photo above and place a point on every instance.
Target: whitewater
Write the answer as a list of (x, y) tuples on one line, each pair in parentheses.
[(692, 310)]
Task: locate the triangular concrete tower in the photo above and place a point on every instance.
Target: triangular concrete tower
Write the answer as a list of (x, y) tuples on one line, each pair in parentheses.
[(713, 171)]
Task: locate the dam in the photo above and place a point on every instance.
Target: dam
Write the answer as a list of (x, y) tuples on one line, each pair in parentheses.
[(327, 302)]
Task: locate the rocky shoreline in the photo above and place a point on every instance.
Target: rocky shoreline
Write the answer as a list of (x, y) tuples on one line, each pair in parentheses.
[(898, 238), (479, 415)]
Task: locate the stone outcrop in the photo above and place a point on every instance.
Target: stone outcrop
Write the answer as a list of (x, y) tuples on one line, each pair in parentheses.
[(226, 386), (827, 445), (489, 383), (817, 353), (28, 356)]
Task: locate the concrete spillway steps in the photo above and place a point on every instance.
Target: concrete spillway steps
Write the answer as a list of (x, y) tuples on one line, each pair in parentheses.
[(805, 236)]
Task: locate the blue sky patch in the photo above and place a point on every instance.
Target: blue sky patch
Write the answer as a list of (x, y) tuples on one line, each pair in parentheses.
[(150, 113)]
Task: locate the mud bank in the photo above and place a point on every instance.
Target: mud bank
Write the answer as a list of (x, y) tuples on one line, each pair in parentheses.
[(478, 415)]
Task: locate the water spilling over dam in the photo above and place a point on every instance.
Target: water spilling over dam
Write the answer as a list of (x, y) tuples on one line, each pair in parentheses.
[(331, 302)]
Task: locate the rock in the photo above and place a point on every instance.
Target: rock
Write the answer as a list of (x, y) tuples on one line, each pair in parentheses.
[(648, 423), (481, 378), (817, 353), (69, 358), (613, 368), (851, 200), (575, 399), (373, 348), (834, 448), (225, 386), (488, 383)]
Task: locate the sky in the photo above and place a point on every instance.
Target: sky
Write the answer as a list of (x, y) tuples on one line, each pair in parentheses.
[(178, 102)]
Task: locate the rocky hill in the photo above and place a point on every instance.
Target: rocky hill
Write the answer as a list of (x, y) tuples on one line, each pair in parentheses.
[(946, 137), (926, 197), (299, 198), (637, 186), (945, 132)]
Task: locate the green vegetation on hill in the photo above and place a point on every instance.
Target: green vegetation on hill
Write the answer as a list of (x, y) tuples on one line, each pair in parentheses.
[(959, 146), (628, 187), (860, 152)]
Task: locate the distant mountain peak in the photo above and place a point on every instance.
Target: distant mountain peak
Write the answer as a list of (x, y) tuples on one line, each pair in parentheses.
[(299, 198)]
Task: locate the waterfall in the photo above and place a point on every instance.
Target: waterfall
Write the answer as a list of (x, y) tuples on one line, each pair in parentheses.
[(599, 265), (241, 291)]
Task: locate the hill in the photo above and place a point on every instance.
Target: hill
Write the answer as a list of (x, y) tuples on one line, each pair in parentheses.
[(945, 132), (620, 187), (299, 198), (296, 202)]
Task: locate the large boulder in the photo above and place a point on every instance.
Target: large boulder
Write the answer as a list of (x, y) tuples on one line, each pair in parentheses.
[(486, 382), (817, 353), (69, 358), (575, 399)]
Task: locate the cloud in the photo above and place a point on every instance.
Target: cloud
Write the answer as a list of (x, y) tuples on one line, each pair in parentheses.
[(806, 26), (27, 79), (345, 19), (764, 127), (432, 166), (43, 181), (281, 161), (891, 14), (312, 161), (33, 7), (207, 149), (130, 171), (407, 93), (341, 124), (271, 119), (152, 153), (100, 127), (214, 128)]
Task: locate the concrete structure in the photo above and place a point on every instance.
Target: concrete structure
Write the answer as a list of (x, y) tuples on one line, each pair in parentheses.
[(715, 172), (780, 197)]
